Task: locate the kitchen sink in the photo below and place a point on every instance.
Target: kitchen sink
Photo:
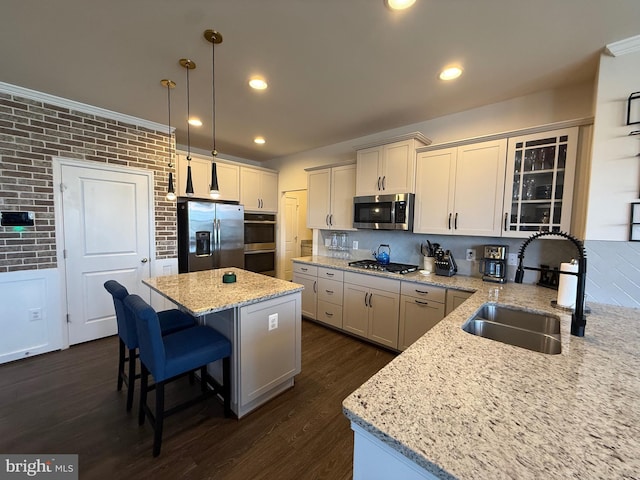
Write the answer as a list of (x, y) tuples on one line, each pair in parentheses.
[(533, 331)]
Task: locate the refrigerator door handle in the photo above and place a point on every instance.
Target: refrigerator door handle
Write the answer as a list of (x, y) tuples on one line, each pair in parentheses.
[(219, 232)]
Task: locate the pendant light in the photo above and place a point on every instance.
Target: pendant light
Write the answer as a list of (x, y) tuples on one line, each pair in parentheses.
[(188, 65), (171, 193), (215, 38)]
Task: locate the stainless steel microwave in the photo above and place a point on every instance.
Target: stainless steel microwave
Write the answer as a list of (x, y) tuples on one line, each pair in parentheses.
[(384, 212)]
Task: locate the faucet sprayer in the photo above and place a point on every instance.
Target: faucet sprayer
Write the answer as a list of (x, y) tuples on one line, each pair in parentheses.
[(578, 319)]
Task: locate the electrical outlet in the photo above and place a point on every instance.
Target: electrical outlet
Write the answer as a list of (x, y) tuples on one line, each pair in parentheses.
[(273, 321), (327, 242), (512, 259), (471, 255), (355, 244), (35, 314)]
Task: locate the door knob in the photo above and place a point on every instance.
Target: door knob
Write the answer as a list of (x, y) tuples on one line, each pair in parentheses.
[(144, 260)]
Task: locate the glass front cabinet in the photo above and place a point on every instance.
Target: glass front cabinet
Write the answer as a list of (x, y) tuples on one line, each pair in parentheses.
[(539, 182)]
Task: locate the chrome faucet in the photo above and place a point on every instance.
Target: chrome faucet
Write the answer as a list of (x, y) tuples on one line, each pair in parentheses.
[(578, 319)]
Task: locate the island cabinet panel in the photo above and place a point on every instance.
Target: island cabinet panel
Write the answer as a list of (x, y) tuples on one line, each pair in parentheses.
[(307, 275), (421, 308), (270, 338), (371, 308)]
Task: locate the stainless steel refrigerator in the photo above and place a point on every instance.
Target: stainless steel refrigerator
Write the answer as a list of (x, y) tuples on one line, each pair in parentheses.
[(210, 235)]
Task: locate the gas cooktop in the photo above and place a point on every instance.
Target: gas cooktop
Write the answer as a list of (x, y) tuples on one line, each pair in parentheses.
[(400, 268)]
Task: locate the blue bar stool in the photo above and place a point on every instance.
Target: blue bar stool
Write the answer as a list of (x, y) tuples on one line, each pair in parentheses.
[(171, 356), (170, 321)]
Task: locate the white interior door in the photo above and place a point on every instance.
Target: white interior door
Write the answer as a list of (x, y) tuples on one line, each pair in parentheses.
[(291, 247), (107, 218)]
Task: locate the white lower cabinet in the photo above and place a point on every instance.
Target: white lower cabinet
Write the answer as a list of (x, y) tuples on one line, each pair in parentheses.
[(371, 308), (455, 298), (330, 295), (421, 308), (307, 275)]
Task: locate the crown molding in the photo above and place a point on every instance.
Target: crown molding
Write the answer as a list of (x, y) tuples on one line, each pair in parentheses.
[(81, 107), (400, 138), (622, 47)]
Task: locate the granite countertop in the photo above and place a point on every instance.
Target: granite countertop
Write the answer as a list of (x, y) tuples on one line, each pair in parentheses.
[(200, 293), (466, 407)]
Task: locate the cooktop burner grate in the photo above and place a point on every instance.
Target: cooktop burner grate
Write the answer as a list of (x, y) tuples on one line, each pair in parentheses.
[(400, 268)]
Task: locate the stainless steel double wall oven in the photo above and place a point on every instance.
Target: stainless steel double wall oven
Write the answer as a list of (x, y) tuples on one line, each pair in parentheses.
[(260, 243)]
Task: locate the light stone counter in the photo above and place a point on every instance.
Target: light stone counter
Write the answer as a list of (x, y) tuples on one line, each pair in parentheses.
[(466, 407), (201, 293)]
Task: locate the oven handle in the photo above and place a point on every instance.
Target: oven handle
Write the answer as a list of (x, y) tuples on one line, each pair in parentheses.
[(252, 252), (260, 222)]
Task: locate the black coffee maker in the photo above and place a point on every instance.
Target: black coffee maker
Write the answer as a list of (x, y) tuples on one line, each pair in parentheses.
[(493, 265)]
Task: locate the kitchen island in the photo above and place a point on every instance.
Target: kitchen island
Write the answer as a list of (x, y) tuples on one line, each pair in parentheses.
[(459, 406), (260, 315)]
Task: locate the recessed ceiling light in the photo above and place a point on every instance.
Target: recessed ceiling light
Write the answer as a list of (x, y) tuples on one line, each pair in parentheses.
[(258, 83), (399, 4), (259, 140), (450, 73), (196, 122)]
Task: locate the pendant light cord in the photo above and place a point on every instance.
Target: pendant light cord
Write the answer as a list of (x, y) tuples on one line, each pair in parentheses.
[(213, 94), (188, 118), (169, 108)]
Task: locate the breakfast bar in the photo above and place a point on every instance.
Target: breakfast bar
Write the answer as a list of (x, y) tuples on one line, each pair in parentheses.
[(260, 315)]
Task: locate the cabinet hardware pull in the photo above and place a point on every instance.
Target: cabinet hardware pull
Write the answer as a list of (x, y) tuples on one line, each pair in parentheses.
[(383, 182), (365, 299), (326, 220), (315, 282), (421, 291), (331, 219), (455, 222), (330, 292), (449, 221), (329, 274), (303, 269), (421, 303), (328, 314), (370, 300), (505, 221), (378, 183)]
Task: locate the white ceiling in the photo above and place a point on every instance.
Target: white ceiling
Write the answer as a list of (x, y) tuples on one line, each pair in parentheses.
[(337, 70)]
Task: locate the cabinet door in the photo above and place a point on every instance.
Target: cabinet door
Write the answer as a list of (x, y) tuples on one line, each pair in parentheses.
[(269, 191), (383, 317), (368, 166), (319, 198), (455, 298), (538, 189), (355, 318), (398, 167), (200, 176), (417, 317), (309, 294), (435, 181), (343, 189), (228, 181), (250, 188), (479, 188)]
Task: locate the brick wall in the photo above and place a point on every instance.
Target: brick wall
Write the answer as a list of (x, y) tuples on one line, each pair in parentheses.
[(32, 132)]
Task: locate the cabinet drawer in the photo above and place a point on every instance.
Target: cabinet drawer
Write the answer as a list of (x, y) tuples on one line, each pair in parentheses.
[(373, 281), (330, 313), (330, 273), (426, 292), (305, 268), (330, 291)]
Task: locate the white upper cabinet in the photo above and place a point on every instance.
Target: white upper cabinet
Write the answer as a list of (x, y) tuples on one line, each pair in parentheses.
[(330, 197), (459, 190), (258, 190), (228, 178), (538, 190), (389, 168)]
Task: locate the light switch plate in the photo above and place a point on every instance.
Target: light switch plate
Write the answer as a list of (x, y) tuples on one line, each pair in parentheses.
[(512, 259)]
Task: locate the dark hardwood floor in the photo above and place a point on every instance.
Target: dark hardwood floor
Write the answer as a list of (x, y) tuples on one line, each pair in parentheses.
[(66, 402)]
